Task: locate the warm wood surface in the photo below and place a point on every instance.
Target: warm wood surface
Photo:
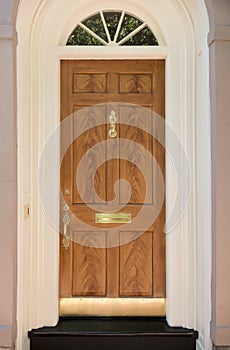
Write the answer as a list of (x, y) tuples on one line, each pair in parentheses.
[(136, 264), (89, 265), (81, 145), (137, 268), (83, 83), (66, 270), (135, 83), (113, 265), (136, 155)]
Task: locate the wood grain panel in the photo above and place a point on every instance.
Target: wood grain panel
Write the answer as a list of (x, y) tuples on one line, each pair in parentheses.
[(90, 185), (159, 262), (159, 87), (88, 99), (137, 155), (93, 83), (66, 110), (89, 264), (136, 264), (135, 83), (66, 270), (112, 153), (113, 264)]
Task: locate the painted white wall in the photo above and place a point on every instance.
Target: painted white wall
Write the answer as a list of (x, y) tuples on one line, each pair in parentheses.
[(182, 30)]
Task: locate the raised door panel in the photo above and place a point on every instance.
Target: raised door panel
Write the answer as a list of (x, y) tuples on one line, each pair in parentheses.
[(89, 83), (92, 185), (89, 264), (138, 169), (135, 83), (136, 264)]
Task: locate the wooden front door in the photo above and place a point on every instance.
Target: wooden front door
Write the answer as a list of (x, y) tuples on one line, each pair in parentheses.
[(134, 265)]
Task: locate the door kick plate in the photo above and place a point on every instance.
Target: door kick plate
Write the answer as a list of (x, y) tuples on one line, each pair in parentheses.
[(113, 218), (86, 306)]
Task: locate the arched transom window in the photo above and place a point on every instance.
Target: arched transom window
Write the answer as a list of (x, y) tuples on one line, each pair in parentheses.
[(112, 28)]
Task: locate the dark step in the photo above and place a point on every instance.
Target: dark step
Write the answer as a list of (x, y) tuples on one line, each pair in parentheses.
[(110, 333)]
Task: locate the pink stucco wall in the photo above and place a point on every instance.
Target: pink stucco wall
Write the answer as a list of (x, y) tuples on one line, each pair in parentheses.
[(220, 78), (8, 175)]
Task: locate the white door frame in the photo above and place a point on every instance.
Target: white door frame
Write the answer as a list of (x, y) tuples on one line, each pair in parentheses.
[(43, 27)]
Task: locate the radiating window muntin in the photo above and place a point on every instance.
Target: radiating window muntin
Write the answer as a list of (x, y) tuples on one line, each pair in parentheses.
[(112, 28)]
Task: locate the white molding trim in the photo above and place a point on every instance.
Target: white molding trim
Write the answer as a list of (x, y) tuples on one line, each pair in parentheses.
[(199, 345), (43, 27)]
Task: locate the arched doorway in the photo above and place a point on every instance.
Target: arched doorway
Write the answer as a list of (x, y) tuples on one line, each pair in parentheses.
[(38, 71)]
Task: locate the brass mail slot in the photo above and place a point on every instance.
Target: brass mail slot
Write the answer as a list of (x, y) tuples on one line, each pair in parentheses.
[(112, 218)]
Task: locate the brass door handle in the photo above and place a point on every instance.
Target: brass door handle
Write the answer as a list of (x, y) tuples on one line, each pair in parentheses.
[(112, 121), (66, 222)]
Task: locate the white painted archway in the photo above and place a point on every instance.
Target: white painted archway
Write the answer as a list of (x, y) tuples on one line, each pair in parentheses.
[(181, 28)]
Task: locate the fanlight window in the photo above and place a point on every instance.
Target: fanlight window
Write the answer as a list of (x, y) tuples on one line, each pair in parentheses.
[(112, 28)]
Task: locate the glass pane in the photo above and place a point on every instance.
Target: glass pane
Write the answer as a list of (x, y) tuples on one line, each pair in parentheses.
[(129, 24), (96, 25), (80, 37), (112, 20), (144, 38)]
